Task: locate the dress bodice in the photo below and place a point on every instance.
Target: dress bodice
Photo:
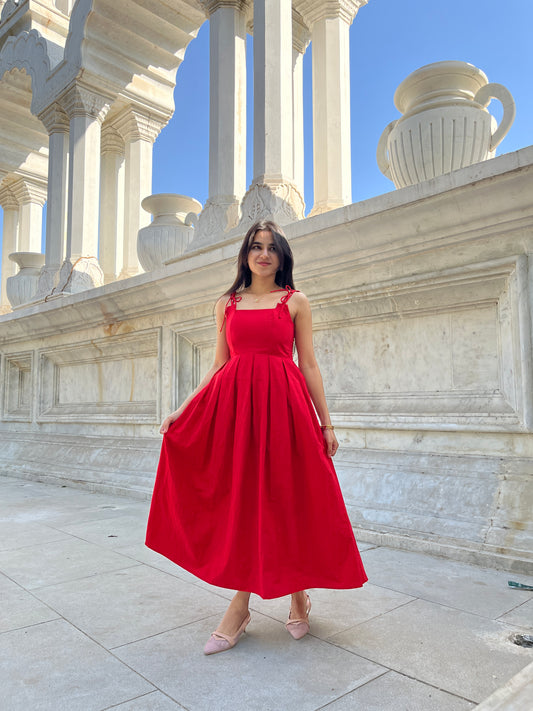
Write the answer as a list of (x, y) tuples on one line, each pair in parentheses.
[(269, 331)]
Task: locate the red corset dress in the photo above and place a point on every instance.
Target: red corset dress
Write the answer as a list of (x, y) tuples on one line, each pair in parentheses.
[(245, 496)]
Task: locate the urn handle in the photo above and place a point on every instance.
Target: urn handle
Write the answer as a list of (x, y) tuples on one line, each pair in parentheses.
[(382, 155), (498, 91)]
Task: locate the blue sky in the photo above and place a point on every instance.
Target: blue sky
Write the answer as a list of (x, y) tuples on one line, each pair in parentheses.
[(389, 40)]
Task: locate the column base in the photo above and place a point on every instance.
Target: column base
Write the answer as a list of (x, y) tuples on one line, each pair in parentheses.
[(220, 215), (321, 208), (48, 280), (127, 273), (79, 275), (269, 199)]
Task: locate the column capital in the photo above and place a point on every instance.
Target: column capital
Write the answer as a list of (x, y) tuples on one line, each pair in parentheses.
[(28, 190), (133, 125), (8, 201), (212, 6), (81, 101), (301, 34), (55, 119), (324, 9), (111, 140)]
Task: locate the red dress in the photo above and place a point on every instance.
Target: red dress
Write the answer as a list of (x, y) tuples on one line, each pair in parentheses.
[(245, 496)]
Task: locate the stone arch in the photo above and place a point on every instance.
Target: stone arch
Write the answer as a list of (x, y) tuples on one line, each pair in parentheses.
[(27, 51), (131, 50), (23, 138)]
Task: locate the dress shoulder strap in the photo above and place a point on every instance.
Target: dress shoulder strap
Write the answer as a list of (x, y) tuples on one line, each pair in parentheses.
[(232, 301), (289, 292)]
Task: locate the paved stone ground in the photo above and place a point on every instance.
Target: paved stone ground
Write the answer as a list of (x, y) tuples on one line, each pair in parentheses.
[(90, 619)]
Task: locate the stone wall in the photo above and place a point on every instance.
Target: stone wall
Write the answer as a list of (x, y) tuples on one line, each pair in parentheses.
[(422, 303)]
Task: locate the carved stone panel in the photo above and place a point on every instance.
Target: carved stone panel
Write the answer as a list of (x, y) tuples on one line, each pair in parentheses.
[(114, 379), (446, 350), (18, 375), (194, 349)]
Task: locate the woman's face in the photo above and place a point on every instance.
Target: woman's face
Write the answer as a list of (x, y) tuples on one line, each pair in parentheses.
[(263, 257)]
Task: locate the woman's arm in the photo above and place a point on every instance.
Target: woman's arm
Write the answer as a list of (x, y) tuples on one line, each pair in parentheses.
[(221, 356), (303, 336)]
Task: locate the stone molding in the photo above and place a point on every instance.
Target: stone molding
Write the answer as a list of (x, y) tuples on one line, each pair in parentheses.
[(8, 201), (112, 356), (301, 35), (80, 101), (29, 191), (18, 386), (111, 140), (316, 10), (135, 125), (212, 6), (55, 119)]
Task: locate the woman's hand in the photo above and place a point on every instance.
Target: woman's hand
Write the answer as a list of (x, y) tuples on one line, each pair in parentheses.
[(331, 442), (168, 421)]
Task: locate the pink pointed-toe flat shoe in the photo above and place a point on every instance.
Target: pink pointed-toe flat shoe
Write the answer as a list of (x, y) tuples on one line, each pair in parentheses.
[(299, 627), (220, 642)]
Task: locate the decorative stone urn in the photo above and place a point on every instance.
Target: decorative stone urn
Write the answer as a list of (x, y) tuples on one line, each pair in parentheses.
[(171, 230), (22, 287), (445, 123)]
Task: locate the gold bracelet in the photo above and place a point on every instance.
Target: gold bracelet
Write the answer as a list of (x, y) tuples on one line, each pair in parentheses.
[(327, 427)]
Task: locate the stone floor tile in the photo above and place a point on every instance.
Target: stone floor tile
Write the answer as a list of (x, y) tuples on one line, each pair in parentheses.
[(395, 692), (458, 652), (267, 671), (15, 534), (126, 605), (142, 554), (365, 546), (60, 561), (110, 532), (20, 608), (470, 588), (54, 667), (155, 701), (521, 615), (336, 610)]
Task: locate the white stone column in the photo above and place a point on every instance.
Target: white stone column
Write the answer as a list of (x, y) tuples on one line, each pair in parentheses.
[(86, 110), (272, 193), (9, 242), (300, 41), (30, 193), (111, 203), (56, 122), (139, 132), (330, 25), (227, 119)]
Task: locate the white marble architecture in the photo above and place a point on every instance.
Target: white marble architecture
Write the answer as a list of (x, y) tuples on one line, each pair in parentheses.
[(422, 298)]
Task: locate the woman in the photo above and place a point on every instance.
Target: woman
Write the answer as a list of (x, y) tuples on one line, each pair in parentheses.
[(246, 496)]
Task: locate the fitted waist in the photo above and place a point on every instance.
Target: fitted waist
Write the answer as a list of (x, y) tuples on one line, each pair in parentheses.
[(255, 352)]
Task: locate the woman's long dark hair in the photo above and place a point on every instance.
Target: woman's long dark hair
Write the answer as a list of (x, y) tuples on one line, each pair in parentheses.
[(286, 261)]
